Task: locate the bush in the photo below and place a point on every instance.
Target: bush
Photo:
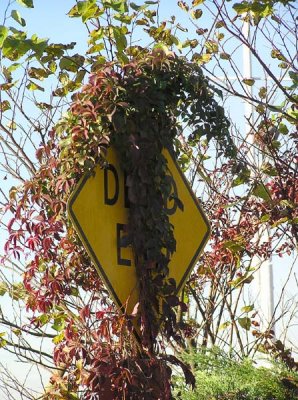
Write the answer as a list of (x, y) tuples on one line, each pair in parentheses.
[(222, 377)]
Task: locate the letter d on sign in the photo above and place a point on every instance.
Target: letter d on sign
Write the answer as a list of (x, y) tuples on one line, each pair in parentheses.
[(110, 172)]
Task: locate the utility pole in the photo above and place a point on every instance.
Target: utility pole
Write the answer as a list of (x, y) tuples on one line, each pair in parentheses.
[(264, 273)]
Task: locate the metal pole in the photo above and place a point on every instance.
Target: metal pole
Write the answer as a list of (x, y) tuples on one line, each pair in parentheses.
[(264, 273)]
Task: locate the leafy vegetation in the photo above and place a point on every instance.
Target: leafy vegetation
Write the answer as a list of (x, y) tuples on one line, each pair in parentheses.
[(222, 377)]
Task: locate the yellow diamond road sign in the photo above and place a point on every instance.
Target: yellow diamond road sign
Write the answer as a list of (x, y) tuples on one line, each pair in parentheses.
[(98, 208)]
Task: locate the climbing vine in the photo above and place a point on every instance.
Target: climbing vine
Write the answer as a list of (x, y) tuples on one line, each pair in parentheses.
[(139, 109)]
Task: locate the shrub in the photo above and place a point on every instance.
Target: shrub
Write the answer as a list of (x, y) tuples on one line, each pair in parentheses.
[(221, 377)]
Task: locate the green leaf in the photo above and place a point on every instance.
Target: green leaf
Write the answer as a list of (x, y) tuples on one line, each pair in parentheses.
[(13, 67), (17, 291), (7, 74), (69, 395), (260, 9), (11, 125), (261, 191), (225, 56), (201, 58), (58, 338), (18, 34), (98, 63), (73, 12), (283, 65), (211, 46), (241, 8), (260, 109), (17, 332), (64, 78), (135, 7), (43, 319), (52, 66), (247, 309), (283, 129), (14, 48), (142, 21), (279, 222), (262, 92), (150, 14), (265, 218), (275, 144), (38, 73), (65, 142), (85, 9), (74, 291), (60, 92), (33, 86), (6, 86), (126, 19), (80, 76), (17, 17), (245, 323), (242, 178), (225, 325), (44, 106), (119, 6), (122, 57), (276, 53), (59, 324), (234, 246), (196, 14), (72, 63), (3, 342), (249, 82), (120, 38), (26, 3), (38, 45), (57, 50), (3, 34), (287, 203), (3, 288), (220, 24), (241, 280), (294, 76), (4, 106)]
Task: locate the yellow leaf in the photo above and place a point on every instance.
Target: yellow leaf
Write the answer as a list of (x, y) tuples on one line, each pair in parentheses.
[(197, 2)]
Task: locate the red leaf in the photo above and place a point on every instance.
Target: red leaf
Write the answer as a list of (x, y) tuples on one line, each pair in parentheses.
[(85, 313)]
